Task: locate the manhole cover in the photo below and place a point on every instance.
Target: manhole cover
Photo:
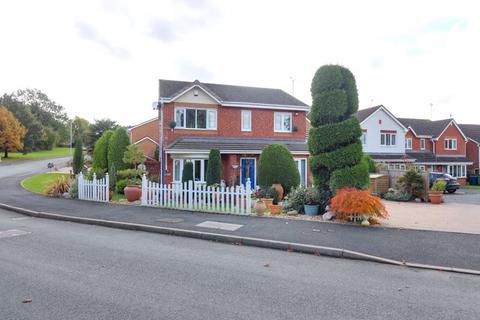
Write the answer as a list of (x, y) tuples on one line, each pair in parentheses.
[(170, 220)]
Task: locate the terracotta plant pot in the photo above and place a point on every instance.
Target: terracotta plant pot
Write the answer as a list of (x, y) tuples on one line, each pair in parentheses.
[(260, 207), (278, 187), (268, 202), (133, 192), (435, 197), (275, 209)]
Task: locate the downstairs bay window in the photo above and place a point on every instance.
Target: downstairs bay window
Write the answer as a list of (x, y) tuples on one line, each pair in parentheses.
[(199, 169), (457, 170)]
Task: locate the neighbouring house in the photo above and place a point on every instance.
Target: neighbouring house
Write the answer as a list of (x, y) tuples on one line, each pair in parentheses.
[(439, 145), (239, 121), (472, 131)]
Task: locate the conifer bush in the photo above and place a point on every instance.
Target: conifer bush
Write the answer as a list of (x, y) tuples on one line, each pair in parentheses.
[(276, 165), (187, 173), (336, 159), (100, 151), (117, 145), (214, 167), (78, 157)]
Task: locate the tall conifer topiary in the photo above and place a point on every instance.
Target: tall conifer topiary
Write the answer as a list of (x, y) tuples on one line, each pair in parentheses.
[(187, 173), (334, 144), (214, 167), (78, 156), (100, 151)]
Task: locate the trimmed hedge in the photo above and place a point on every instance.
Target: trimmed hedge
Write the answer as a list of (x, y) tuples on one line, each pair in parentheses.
[(356, 176), (276, 165), (117, 146), (334, 144), (100, 151), (330, 136), (78, 157), (214, 167), (342, 157), (187, 173)]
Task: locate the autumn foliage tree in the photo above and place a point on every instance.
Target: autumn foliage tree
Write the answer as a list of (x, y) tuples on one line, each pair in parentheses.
[(11, 132), (350, 201)]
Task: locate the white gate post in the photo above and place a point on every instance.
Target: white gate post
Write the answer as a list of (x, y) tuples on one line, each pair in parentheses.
[(190, 194), (80, 186), (248, 194), (106, 189), (94, 187), (144, 190)]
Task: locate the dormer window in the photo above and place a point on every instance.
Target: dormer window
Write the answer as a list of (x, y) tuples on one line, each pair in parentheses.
[(450, 144)]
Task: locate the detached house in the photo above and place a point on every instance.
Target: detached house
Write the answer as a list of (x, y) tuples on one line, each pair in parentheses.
[(429, 145), (239, 121)]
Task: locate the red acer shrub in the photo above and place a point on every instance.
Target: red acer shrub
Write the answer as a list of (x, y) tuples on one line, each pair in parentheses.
[(350, 201)]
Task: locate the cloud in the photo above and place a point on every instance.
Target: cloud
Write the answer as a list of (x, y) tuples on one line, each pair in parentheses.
[(191, 71), (445, 24), (88, 32), (163, 30)]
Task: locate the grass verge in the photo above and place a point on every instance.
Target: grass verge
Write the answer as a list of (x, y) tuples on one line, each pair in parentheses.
[(37, 183), (55, 152), (471, 187)]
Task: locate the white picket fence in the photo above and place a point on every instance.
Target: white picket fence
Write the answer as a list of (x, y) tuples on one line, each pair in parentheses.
[(93, 190), (191, 196)]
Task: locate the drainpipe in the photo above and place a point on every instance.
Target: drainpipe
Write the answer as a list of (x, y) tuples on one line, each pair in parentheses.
[(161, 156)]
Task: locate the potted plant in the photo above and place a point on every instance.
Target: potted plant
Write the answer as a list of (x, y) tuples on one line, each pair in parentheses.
[(269, 194), (260, 207), (436, 192), (275, 208), (172, 124), (312, 200)]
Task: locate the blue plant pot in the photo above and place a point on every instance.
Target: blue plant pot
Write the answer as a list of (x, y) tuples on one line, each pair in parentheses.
[(311, 209)]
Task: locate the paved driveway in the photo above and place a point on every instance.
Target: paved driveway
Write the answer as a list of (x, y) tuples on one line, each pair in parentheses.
[(464, 196)]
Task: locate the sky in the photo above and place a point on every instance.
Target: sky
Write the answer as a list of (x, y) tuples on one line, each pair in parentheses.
[(102, 59)]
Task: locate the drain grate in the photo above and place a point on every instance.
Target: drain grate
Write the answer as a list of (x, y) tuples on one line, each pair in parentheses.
[(170, 220)]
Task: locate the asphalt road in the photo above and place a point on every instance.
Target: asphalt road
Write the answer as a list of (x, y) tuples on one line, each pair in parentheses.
[(28, 168), (75, 271)]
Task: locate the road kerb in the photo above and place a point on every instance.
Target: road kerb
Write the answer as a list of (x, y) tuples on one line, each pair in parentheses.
[(238, 240)]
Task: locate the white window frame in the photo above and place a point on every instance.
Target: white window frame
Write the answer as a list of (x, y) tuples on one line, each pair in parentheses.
[(246, 127), (210, 118), (450, 144), (408, 143), (391, 138), (298, 162), (282, 121), (179, 175), (457, 170), (422, 144), (364, 138)]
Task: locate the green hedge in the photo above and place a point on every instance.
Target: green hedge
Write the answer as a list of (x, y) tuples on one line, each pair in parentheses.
[(342, 157), (100, 151), (117, 146), (276, 165), (121, 184), (130, 174), (356, 176), (214, 167), (330, 136)]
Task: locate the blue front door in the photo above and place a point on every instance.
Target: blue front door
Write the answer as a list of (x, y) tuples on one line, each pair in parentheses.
[(247, 168)]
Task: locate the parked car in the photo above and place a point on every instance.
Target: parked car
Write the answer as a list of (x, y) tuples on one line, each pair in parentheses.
[(452, 183)]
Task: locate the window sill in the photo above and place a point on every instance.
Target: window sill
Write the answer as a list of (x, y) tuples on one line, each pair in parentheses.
[(196, 129), (275, 131)]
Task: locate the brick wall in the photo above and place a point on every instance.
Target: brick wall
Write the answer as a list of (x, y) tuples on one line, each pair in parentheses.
[(416, 142), (451, 132)]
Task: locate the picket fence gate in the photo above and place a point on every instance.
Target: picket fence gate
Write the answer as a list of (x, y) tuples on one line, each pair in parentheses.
[(192, 196), (93, 190)]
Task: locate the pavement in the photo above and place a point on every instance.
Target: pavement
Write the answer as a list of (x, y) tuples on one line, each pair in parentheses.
[(59, 270), (446, 249)]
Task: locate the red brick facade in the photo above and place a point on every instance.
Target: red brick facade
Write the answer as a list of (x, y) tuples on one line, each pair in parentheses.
[(473, 150), (416, 142), (451, 132)]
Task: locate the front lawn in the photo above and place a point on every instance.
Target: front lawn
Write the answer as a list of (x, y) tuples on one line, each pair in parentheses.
[(37, 183), (55, 152)]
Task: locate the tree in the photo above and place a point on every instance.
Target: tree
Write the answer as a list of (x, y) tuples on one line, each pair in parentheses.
[(276, 165), (117, 146), (99, 127), (100, 151), (81, 128), (133, 155), (334, 144), (187, 173), (214, 167), (11, 132), (78, 157)]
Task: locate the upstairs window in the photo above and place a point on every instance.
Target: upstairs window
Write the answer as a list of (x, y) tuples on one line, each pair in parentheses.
[(364, 138), (450, 144), (388, 139), (189, 118), (408, 143), (422, 144), (283, 122), (246, 120)]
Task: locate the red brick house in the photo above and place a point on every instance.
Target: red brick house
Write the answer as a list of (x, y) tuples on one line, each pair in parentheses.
[(473, 146), (239, 121), (439, 145)]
